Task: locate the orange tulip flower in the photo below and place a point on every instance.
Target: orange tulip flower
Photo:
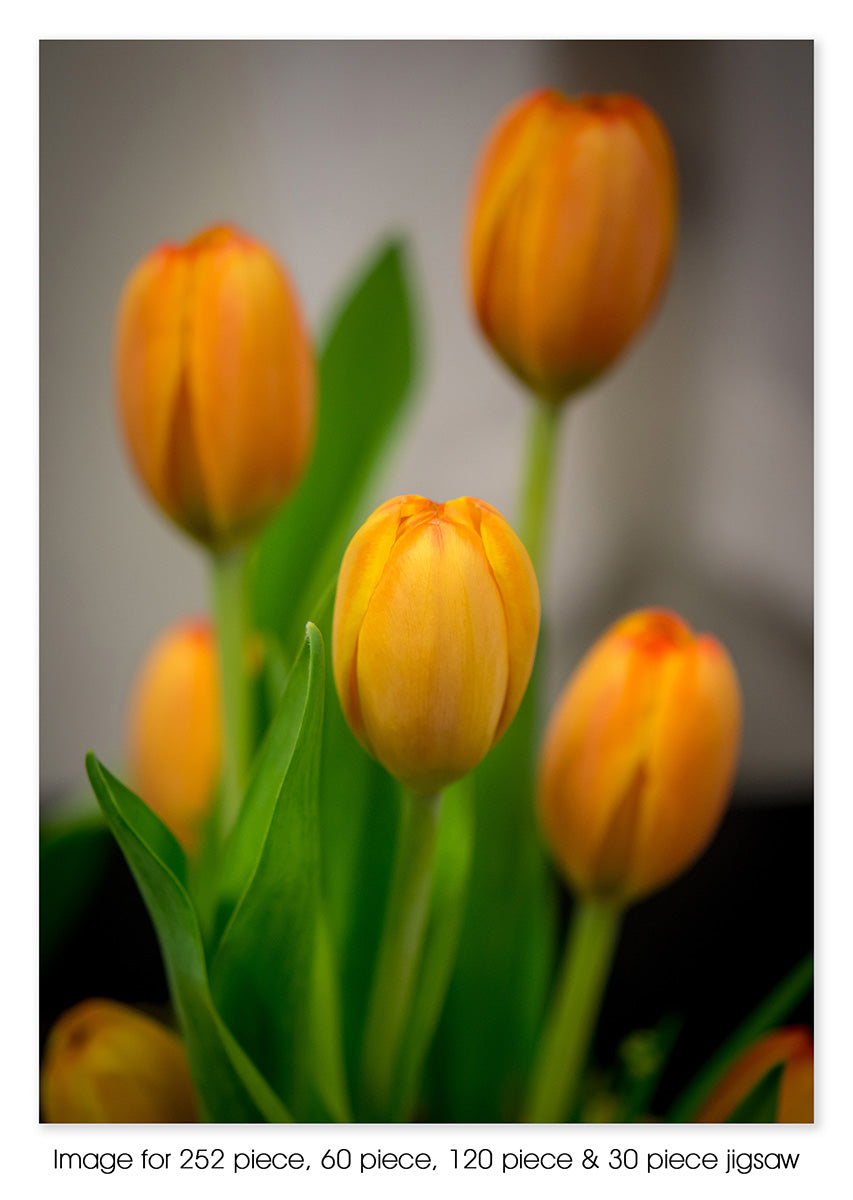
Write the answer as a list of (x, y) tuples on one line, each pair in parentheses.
[(215, 382), (639, 757), (174, 732), (571, 234), (105, 1063), (793, 1050), (435, 627)]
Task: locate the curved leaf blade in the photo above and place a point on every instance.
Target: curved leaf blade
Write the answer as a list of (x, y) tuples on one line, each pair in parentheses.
[(229, 1085), (262, 970)]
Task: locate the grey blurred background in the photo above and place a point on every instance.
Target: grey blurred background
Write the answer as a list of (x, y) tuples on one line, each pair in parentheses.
[(686, 475)]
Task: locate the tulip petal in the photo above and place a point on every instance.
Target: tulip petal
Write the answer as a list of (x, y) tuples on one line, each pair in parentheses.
[(639, 756), (432, 660), (250, 381), (692, 757), (149, 365), (105, 1062), (519, 141), (519, 591), (572, 228), (360, 572), (174, 728), (792, 1046)]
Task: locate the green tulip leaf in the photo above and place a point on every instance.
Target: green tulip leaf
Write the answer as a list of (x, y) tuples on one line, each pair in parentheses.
[(359, 818), (264, 964), (243, 849), (366, 370), (508, 938), (229, 1085)]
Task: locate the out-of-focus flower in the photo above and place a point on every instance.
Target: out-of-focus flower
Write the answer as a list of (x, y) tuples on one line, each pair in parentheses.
[(639, 756), (435, 628), (215, 379), (571, 233), (174, 733), (105, 1062), (791, 1049)]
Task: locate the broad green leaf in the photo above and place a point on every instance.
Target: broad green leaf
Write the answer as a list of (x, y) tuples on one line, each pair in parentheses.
[(366, 368), (72, 858), (326, 1028), (506, 955), (262, 968), (229, 1085), (359, 817), (772, 1012), (441, 942), (243, 849)]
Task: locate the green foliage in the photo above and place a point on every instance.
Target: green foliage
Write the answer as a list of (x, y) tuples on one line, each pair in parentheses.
[(229, 1085), (508, 940), (261, 968), (366, 369), (359, 815)]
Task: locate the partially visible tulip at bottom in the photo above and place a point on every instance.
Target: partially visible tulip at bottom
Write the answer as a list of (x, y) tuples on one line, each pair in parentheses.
[(107, 1063), (791, 1049)]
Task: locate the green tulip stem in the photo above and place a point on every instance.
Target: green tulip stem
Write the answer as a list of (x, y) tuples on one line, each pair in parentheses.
[(229, 601), (564, 1046), (539, 482), (399, 951)]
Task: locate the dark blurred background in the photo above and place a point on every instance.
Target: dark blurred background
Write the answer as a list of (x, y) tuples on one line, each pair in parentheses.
[(686, 474)]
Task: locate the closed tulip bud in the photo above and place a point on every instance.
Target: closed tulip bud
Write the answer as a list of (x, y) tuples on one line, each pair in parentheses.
[(174, 735), (435, 627), (571, 234), (639, 757), (105, 1063), (215, 382), (791, 1049)]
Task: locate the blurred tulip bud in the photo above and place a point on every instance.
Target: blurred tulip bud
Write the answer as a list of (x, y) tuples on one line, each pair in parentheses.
[(435, 628), (791, 1049), (105, 1062), (175, 729), (571, 234), (639, 757), (215, 383)]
